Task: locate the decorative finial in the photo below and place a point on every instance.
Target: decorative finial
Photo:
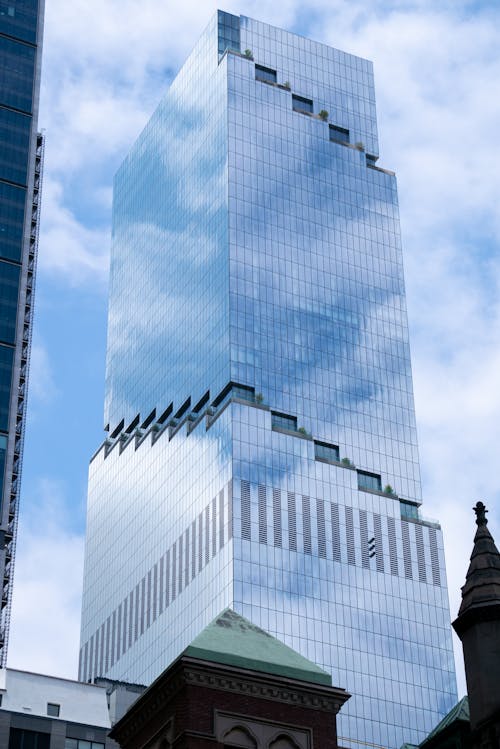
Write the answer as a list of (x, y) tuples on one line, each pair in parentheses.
[(480, 511)]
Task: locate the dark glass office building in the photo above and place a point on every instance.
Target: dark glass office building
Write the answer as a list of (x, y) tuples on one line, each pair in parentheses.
[(21, 149), (262, 451)]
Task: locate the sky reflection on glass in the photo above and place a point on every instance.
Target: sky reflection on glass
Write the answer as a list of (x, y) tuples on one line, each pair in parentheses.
[(249, 247)]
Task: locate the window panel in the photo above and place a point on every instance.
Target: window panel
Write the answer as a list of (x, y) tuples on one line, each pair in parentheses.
[(300, 104), (14, 137), (17, 65), (367, 480), (12, 201), (18, 18), (265, 74)]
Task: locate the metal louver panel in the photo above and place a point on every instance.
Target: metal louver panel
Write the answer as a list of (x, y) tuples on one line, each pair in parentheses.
[(320, 518), (349, 528), (379, 543), (363, 526), (335, 532), (221, 518), (406, 549), (262, 507), (436, 573), (393, 549), (214, 526), (306, 524), (292, 522), (419, 539), (278, 533), (245, 511)]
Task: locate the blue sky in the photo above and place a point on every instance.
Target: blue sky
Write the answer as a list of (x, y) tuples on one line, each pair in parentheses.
[(105, 67)]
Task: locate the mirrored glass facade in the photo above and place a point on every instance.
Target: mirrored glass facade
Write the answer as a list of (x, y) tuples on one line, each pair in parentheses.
[(261, 450), (21, 151)]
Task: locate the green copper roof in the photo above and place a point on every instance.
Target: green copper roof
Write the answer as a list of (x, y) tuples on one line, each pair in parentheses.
[(233, 640), (459, 712)]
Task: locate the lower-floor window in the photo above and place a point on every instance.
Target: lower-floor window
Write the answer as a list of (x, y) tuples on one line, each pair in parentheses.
[(19, 738), (368, 480)]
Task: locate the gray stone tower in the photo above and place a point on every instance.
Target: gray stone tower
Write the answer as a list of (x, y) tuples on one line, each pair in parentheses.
[(478, 626)]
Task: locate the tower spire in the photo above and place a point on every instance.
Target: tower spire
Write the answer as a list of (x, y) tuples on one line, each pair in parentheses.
[(480, 510), (478, 625), (482, 583)]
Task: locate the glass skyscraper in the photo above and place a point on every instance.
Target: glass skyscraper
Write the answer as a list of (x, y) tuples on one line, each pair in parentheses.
[(261, 450), (21, 152)]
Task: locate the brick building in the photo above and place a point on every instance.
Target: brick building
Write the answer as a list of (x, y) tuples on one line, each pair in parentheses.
[(235, 686)]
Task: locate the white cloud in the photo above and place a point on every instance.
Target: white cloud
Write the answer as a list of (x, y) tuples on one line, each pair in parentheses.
[(77, 251), (42, 387), (45, 624), (434, 74)]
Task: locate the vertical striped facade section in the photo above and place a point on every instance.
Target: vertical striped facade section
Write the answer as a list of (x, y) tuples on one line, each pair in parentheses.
[(167, 578), (161, 586), (174, 570), (292, 521), (433, 548), (379, 544), (393, 548), (101, 648), (221, 519), (214, 526), (165, 581), (269, 516), (363, 527), (148, 598), (91, 649), (334, 509), (277, 523), (349, 532), (187, 556), (245, 510), (262, 508), (207, 534), (230, 510), (200, 542), (321, 526), (419, 539), (193, 549), (96, 649), (306, 525), (106, 651), (405, 532), (113, 637), (328, 530)]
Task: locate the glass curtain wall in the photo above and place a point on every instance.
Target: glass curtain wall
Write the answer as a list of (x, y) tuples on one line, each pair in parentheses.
[(261, 449)]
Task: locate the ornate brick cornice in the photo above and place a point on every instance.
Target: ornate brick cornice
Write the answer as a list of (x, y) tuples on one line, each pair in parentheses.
[(154, 700), (188, 671), (288, 691)]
